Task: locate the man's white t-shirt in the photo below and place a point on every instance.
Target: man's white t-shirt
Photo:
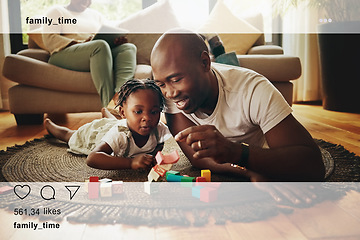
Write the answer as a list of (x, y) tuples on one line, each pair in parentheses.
[(248, 106)]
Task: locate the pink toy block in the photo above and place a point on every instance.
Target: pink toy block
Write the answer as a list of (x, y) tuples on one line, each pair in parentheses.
[(5, 189), (207, 174), (117, 187), (167, 159), (93, 188), (208, 194)]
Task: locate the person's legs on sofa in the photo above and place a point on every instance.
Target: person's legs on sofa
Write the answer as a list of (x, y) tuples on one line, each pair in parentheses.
[(124, 58), (94, 57)]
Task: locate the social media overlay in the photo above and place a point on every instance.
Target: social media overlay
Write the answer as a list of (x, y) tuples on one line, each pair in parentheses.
[(188, 14), (45, 206)]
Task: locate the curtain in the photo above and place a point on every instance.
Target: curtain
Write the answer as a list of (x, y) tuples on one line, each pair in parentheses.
[(300, 39)]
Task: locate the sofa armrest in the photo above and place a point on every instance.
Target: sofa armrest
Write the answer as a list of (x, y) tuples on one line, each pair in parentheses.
[(266, 49), (32, 72), (276, 68), (39, 54)]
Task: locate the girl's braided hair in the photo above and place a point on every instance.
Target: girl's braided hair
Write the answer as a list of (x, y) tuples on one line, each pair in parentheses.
[(133, 85)]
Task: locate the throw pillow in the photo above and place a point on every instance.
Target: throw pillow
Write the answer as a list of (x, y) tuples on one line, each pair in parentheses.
[(236, 34), (146, 26)]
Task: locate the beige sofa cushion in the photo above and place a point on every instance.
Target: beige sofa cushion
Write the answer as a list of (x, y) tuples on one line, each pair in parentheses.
[(228, 27)]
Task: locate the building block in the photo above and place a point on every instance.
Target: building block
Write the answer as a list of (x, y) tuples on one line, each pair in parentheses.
[(94, 179), (5, 189), (208, 194), (153, 176), (117, 187), (173, 178), (207, 174), (159, 170), (86, 185), (93, 190), (187, 181), (166, 167), (167, 159), (200, 179), (105, 180), (172, 172), (106, 189), (196, 191), (151, 187)]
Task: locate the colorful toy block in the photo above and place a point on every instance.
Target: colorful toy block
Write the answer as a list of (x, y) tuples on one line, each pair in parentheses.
[(167, 159), (151, 187), (172, 172), (105, 180), (5, 189), (159, 170), (200, 179), (94, 179), (196, 191), (86, 185), (207, 174), (93, 190), (208, 194), (187, 181), (106, 189), (173, 178), (153, 176), (117, 187)]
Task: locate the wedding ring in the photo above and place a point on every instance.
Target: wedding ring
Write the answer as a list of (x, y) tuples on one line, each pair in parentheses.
[(199, 144)]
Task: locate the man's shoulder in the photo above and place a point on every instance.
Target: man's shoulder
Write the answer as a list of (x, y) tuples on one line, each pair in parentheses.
[(233, 78)]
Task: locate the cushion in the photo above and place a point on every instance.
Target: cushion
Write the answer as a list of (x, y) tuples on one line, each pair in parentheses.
[(158, 18), (146, 26), (236, 34)]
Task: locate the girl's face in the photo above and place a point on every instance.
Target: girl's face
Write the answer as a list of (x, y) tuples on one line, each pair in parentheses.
[(142, 111)]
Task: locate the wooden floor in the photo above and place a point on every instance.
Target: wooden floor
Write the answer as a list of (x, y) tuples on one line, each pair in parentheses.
[(336, 127), (338, 219)]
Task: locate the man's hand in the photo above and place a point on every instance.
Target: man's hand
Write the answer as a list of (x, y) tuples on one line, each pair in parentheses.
[(207, 141), (142, 161)]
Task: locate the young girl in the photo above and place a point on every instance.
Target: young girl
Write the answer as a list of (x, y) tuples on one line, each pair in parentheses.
[(121, 144)]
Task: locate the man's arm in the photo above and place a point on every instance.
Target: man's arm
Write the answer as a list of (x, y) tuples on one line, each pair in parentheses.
[(293, 155)]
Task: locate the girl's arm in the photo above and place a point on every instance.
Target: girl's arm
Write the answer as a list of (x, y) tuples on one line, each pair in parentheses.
[(101, 158)]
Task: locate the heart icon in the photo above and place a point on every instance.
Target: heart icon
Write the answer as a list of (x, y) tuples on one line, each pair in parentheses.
[(22, 191)]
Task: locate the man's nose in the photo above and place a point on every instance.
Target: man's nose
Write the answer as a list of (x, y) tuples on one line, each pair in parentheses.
[(171, 92)]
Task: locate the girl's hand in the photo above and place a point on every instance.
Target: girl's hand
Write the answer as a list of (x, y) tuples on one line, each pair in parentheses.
[(142, 161)]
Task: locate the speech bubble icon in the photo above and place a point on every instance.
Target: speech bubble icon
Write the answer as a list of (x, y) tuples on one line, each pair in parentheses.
[(22, 191), (47, 192)]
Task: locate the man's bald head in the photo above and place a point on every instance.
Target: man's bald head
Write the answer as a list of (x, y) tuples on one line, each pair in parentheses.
[(188, 44)]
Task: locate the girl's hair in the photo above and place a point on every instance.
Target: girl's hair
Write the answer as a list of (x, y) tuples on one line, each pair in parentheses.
[(133, 85)]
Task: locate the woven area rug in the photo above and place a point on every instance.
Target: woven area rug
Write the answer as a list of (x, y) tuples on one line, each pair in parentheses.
[(47, 160)]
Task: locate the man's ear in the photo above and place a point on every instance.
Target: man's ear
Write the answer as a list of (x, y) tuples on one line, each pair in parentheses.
[(205, 60), (122, 112)]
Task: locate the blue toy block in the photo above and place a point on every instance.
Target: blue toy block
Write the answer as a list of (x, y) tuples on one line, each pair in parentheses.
[(196, 191), (173, 178)]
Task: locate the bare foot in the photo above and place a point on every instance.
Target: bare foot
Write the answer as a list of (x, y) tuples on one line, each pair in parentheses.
[(59, 132)]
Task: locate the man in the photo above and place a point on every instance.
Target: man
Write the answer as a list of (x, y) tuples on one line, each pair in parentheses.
[(216, 109)]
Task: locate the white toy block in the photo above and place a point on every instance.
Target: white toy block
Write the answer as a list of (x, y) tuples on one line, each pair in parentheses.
[(106, 189), (151, 187), (153, 176)]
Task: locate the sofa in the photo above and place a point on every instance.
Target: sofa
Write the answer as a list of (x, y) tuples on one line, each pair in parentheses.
[(45, 88)]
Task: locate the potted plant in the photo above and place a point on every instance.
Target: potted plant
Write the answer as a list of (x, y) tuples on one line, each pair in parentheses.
[(339, 38)]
